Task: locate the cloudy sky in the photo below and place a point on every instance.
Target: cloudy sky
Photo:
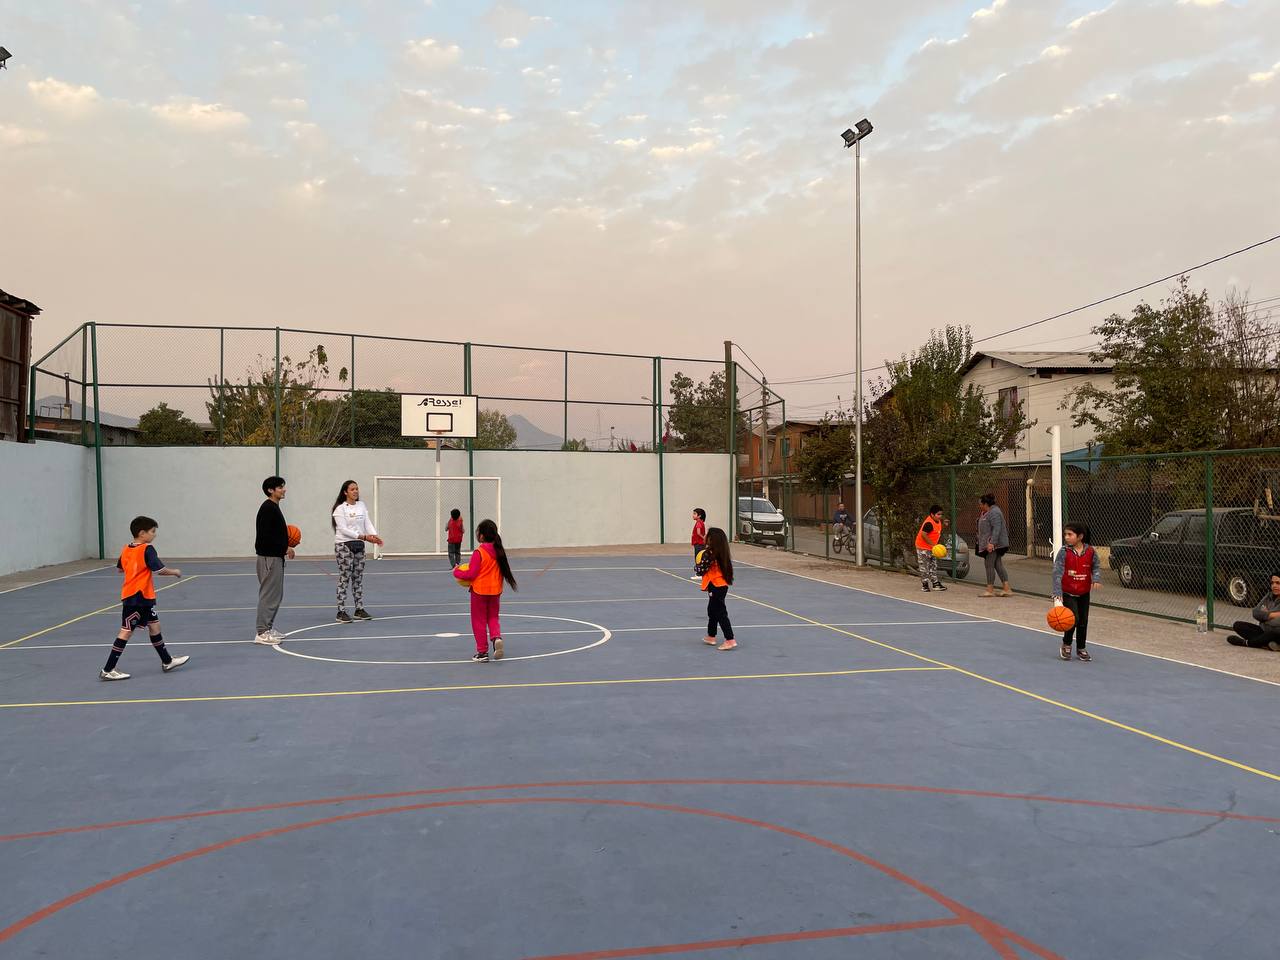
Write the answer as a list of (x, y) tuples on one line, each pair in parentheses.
[(646, 177)]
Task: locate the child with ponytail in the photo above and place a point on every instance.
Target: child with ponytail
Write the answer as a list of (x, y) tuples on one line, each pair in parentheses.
[(1077, 571), (485, 571)]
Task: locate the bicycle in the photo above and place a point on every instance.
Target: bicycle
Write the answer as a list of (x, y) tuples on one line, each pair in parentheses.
[(842, 538)]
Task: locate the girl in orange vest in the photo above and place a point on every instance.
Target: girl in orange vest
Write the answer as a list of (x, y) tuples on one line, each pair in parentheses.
[(716, 567), (926, 539), (485, 571)]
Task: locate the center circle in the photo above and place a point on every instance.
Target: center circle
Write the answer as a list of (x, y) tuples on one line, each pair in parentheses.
[(605, 636)]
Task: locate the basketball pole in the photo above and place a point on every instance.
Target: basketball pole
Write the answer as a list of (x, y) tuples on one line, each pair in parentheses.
[(439, 440)]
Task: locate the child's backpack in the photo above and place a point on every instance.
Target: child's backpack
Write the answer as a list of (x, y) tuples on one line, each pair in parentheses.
[(703, 562)]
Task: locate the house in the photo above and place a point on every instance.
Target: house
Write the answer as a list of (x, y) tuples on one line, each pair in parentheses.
[(785, 441), (1040, 381), (16, 315)]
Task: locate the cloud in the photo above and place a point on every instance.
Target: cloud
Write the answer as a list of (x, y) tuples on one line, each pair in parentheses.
[(12, 136), (630, 142), (64, 97), (509, 43), (289, 104), (432, 54), (260, 24), (203, 117), (674, 151)]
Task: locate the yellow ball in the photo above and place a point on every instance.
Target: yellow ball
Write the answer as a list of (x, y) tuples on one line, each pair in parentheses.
[(462, 583), (939, 550)]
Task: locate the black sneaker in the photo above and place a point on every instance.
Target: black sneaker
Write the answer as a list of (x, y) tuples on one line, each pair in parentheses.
[(1235, 641), (480, 657), (343, 617), (363, 614), (939, 586), (924, 587)]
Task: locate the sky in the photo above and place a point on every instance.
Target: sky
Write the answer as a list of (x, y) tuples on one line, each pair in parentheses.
[(649, 177)]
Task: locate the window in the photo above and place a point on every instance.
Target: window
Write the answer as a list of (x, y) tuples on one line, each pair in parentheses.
[(1006, 407), (1194, 531), (786, 447), (1167, 526)]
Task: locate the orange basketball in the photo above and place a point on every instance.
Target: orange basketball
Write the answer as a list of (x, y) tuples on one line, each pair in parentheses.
[(1061, 619), (295, 535)]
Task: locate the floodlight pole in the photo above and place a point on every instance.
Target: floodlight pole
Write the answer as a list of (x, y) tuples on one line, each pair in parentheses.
[(859, 559)]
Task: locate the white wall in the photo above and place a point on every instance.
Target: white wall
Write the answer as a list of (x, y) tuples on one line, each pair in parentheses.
[(205, 498), (52, 508)]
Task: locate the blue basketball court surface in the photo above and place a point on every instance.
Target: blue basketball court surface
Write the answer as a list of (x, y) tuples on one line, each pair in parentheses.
[(865, 776)]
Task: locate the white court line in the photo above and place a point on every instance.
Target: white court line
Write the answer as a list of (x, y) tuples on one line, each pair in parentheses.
[(41, 583), (402, 573), (521, 633), (605, 636), (1009, 623)]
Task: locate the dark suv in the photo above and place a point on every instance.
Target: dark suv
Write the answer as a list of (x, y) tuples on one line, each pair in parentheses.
[(1173, 551)]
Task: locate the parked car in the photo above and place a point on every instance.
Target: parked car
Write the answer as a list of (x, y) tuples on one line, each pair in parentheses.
[(874, 548), (1173, 552), (761, 522)]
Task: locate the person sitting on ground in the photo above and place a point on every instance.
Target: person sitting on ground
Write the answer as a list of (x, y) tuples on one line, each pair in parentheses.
[(1265, 634)]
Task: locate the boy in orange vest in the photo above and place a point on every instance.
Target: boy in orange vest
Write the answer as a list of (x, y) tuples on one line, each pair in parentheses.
[(926, 539), (139, 563)]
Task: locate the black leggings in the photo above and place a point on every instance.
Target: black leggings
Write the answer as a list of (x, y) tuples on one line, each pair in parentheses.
[(1253, 635), (718, 613), (1080, 607)]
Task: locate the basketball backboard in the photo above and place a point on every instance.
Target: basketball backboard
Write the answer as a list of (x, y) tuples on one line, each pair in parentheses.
[(437, 415)]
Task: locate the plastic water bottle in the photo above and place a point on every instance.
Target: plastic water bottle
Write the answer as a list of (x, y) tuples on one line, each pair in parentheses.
[(1202, 619)]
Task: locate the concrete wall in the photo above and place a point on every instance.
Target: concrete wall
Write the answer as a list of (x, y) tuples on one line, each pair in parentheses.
[(205, 498), (50, 502)]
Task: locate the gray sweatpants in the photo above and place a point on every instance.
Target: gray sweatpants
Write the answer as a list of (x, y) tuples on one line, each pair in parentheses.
[(270, 591)]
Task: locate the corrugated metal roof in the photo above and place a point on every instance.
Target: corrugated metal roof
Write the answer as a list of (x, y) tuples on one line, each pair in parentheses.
[(18, 305), (1043, 359)]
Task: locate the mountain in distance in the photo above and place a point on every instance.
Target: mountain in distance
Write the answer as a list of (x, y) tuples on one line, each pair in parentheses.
[(529, 437)]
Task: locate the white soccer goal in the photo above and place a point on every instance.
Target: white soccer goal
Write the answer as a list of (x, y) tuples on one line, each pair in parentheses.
[(411, 512)]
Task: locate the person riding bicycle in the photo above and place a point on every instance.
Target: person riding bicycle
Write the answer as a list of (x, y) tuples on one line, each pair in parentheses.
[(840, 520)]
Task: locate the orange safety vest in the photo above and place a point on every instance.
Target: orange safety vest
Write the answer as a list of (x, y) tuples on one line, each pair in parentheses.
[(927, 541), (488, 582), (137, 575), (713, 577)]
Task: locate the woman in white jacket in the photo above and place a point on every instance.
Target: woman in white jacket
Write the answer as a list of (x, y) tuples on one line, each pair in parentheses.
[(352, 529)]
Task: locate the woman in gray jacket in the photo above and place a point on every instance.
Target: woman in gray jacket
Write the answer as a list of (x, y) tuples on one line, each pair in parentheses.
[(993, 544), (1265, 634)]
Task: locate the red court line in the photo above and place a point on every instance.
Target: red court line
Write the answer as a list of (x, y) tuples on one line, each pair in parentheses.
[(679, 782), (669, 948), (993, 933)]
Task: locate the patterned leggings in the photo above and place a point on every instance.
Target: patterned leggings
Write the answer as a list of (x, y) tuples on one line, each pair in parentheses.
[(928, 564), (350, 572)]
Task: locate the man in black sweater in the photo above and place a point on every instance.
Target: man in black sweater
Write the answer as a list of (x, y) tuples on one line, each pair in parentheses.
[(272, 547)]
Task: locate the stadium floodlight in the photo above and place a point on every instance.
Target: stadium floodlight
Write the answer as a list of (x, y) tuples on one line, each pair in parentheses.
[(853, 138)]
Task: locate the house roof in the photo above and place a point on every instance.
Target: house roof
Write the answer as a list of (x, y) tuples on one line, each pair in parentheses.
[(18, 305), (1042, 361)]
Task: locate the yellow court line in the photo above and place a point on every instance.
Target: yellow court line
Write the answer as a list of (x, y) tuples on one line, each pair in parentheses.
[(86, 616), (1026, 693), (472, 686)]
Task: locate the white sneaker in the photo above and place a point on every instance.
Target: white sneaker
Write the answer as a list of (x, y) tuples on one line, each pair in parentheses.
[(112, 675), (275, 633), (174, 664), (266, 639)]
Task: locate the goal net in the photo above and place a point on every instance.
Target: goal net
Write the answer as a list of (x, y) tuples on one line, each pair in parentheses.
[(411, 512)]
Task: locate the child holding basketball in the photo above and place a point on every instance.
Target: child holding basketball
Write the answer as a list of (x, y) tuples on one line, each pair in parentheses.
[(716, 567), (453, 533), (139, 564), (1077, 572), (485, 571)]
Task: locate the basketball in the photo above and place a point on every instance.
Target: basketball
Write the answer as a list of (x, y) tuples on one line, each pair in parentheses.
[(939, 550), (295, 535), (1061, 619)]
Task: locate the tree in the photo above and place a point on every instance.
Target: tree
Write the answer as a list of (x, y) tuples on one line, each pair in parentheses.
[(376, 416), (698, 416), (575, 444), (162, 426), (1186, 376), (494, 431), (826, 456), (923, 415), (246, 413)]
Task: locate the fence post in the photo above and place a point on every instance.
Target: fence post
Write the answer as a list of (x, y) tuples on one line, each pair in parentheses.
[(84, 387), (955, 536), (97, 440), (222, 382), (277, 403), (1210, 541), (657, 446), (471, 450), (787, 487), (566, 398), (824, 527), (731, 397), (352, 402)]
